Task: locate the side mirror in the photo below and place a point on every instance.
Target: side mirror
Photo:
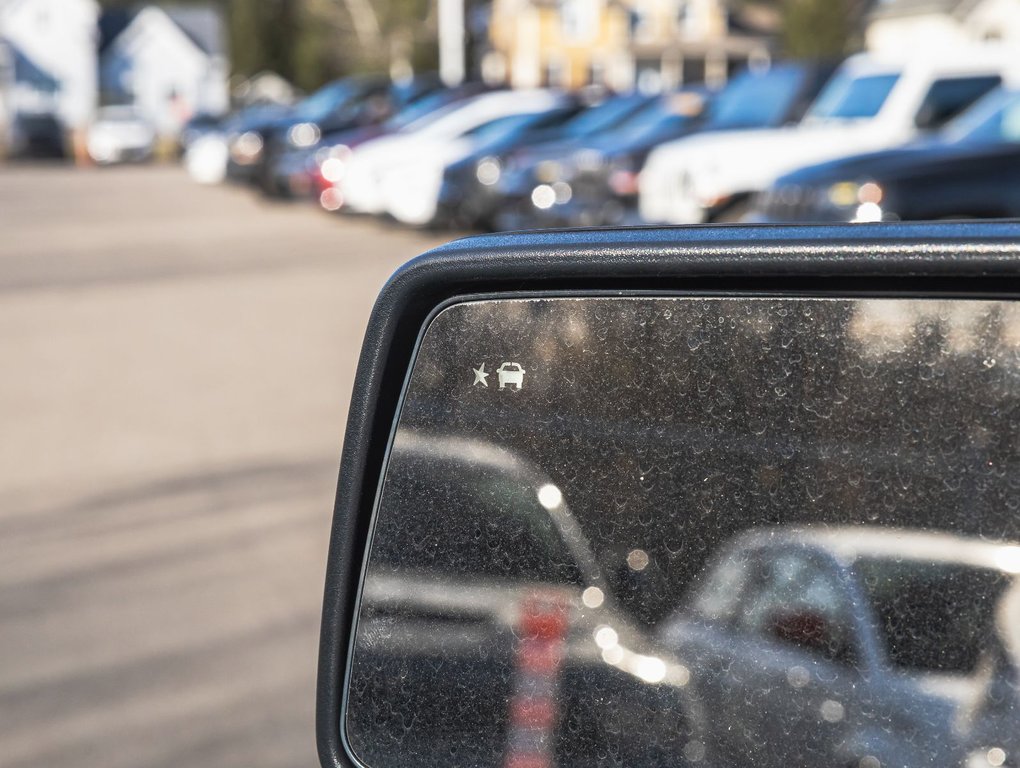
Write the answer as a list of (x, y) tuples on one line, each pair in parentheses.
[(529, 408)]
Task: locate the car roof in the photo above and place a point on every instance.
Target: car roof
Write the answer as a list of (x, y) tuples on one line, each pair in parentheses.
[(850, 543), (970, 59), (472, 456)]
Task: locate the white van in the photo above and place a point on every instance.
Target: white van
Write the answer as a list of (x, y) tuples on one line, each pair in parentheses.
[(871, 103)]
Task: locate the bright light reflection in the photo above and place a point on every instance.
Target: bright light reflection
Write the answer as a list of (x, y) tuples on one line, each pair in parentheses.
[(637, 560), (549, 496), (304, 134), (562, 192), (332, 169), (612, 655), (543, 196), (1008, 559), (593, 597), (649, 668), (488, 171), (331, 199), (868, 212), (606, 637)]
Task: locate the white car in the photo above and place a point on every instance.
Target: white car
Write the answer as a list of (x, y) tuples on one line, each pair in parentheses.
[(860, 644), (120, 134), (871, 103), (403, 172)]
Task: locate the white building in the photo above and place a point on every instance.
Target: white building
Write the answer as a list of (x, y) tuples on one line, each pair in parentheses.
[(169, 62), (48, 60), (933, 26)]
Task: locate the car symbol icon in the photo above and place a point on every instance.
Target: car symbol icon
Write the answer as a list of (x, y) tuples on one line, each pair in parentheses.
[(511, 373)]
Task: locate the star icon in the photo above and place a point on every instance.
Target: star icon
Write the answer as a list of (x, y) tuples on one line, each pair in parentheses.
[(480, 376)]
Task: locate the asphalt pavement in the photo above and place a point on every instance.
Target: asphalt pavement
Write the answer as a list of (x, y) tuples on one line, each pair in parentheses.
[(177, 363)]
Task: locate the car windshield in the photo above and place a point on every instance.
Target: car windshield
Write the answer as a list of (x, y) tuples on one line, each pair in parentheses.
[(419, 109), (757, 100), (324, 101), (931, 616), (500, 128), (509, 515), (120, 114), (994, 119), (606, 116), (850, 97), (663, 115)]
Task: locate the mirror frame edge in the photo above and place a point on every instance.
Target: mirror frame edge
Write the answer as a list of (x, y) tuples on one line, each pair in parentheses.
[(947, 258)]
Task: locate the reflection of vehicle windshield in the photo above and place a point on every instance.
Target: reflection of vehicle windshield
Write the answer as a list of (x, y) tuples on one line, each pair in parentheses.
[(751, 100), (850, 97), (470, 520), (932, 616), (994, 119)]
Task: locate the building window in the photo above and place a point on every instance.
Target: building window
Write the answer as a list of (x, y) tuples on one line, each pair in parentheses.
[(580, 19), (692, 18), (642, 25)]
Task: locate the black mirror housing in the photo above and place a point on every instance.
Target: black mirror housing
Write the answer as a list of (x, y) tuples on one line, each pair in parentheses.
[(915, 260)]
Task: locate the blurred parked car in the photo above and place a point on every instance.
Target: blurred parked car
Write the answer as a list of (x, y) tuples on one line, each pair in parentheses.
[(297, 171), (446, 610), (198, 126), (472, 194), (120, 134), (411, 161), (989, 723), (861, 645), (872, 103), (340, 104), (970, 170), (35, 135), (594, 180), (234, 142), (428, 206)]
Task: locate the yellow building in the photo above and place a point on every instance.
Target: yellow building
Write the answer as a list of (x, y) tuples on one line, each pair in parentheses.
[(650, 44)]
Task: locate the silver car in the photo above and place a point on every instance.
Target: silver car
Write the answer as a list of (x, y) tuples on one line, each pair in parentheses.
[(841, 646)]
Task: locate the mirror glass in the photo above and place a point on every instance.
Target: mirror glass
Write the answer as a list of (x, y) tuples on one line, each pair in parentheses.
[(665, 531)]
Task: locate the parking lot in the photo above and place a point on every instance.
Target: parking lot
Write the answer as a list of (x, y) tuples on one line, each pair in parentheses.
[(177, 364)]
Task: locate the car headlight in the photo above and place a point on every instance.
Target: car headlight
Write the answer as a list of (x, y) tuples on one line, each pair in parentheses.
[(863, 198), (545, 196), (589, 160), (488, 170), (304, 135), (848, 194), (549, 171), (246, 148)]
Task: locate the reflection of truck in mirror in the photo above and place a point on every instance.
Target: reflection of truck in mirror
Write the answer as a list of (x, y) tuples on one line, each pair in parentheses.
[(990, 723), (487, 635), (860, 644)]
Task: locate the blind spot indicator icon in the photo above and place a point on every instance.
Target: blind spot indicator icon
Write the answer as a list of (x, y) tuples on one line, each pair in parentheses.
[(510, 374)]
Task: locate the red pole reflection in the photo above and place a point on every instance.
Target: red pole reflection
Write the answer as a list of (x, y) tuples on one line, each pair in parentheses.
[(541, 630)]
